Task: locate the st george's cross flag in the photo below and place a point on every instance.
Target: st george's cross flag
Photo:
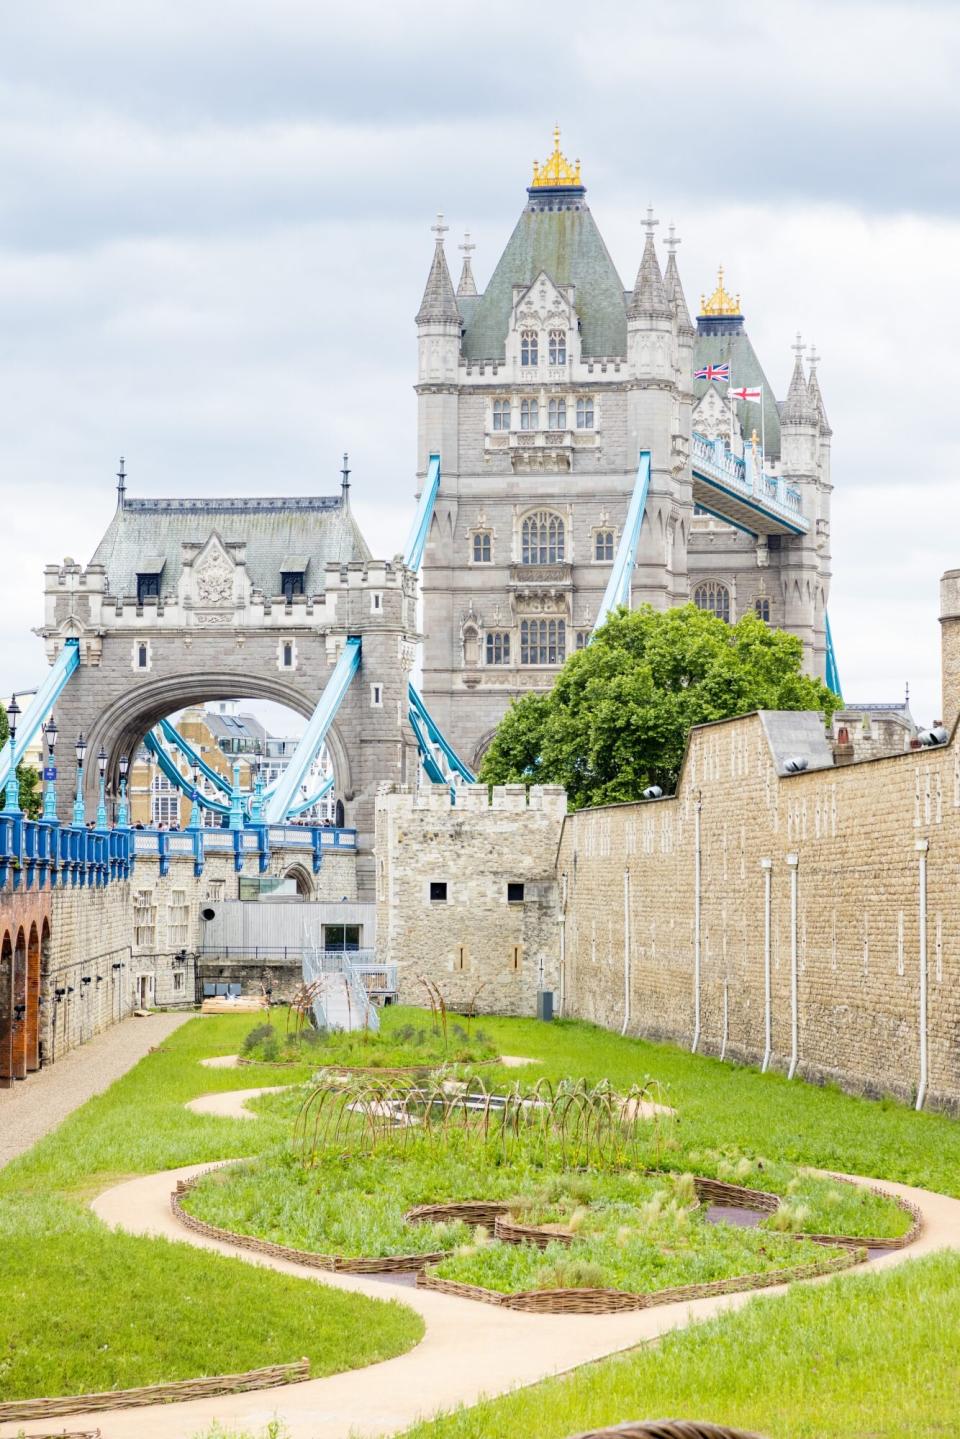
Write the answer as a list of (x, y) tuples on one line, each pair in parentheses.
[(714, 372), (746, 393)]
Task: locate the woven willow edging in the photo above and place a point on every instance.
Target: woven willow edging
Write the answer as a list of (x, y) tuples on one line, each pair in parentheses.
[(468, 1211), (68, 1434), (670, 1429), (177, 1389), (398, 1073), (718, 1191), (612, 1301), (387, 1264)]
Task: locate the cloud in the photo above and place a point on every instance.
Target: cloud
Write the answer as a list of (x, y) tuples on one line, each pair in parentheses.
[(213, 238)]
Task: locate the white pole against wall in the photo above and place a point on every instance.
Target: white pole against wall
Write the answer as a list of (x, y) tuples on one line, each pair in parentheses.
[(922, 847), (626, 952), (793, 861), (767, 866), (697, 867)]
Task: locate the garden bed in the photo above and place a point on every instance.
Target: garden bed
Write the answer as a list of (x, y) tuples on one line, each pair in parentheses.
[(399, 1046), (585, 1300), (555, 1198)]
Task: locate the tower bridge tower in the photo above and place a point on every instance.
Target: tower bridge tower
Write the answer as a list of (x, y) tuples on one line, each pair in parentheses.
[(189, 600), (539, 394)]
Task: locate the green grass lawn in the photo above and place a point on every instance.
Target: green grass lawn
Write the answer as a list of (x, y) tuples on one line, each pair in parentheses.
[(865, 1356), (874, 1350), (85, 1309)]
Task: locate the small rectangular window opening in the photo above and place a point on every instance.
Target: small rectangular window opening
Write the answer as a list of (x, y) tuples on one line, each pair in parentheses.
[(515, 892), (460, 962), (438, 891), (141, 657), (516, 956), (288, 656)]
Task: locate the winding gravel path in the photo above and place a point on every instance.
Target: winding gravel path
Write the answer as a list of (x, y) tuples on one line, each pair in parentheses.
[(36, 1105), (469, 1350)]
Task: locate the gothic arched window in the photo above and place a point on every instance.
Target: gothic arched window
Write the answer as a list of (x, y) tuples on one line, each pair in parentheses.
[(714, 597), (603, 545), (558, 347), (501, 414), (482, 548), (585, 412), (529, 346), (543, 642), (557, 414), (529, 415), (762, 607), (542, 539), (498, 647)]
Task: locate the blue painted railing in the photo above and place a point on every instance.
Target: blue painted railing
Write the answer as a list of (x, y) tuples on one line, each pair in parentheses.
[(37, 854), (717, 462)]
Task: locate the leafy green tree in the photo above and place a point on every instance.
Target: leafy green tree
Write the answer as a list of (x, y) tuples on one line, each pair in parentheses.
[(618, 717), (31, 798)]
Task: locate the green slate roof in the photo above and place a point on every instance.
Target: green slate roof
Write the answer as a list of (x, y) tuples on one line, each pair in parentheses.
[(745, 369), (568, 246), (317, 528)]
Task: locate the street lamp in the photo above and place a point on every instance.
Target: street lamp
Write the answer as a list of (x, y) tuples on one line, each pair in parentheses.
[(256, 804), (79, 813), (195, 806), (50, 793), (101, 800), (123, 818), (12, 804)]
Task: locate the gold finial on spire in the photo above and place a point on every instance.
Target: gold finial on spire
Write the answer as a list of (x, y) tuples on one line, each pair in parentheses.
[(557, 172), (720, 302)]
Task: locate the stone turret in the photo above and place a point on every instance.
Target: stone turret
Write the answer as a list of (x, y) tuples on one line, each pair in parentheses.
[(950, 647), (653, 419), (438, 319)]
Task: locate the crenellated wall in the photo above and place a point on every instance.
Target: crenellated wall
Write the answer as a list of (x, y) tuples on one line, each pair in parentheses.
[(858, 842), (479, 942)]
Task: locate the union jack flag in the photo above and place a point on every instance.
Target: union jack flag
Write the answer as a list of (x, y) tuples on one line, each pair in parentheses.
[(714, 372)]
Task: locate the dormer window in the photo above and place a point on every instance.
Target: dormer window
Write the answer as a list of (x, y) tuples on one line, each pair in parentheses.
[(148, 578), (501, 414), (293, 574), (529, 415), (529, 347), (557, 414), (558, 347)]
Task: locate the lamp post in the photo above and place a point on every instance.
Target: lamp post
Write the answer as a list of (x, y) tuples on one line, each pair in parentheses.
[(123, 817), (50, 793), (256, 804), (195, 806), (12, 804), (236, 799), (79, 813), (101, 798)]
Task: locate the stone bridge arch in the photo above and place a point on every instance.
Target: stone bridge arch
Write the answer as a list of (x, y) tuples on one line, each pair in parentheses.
[(125, 719)]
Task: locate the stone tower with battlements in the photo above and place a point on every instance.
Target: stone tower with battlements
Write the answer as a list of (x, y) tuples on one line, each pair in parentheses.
[(539, 394)]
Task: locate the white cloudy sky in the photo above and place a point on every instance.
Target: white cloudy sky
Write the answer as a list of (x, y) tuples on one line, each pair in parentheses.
[(214, 232)]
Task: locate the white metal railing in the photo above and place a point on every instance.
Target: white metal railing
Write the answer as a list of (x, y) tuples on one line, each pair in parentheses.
[(323, 964), (716, 460)]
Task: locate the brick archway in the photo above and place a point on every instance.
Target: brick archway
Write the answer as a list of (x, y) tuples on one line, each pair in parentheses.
[(6, 1010), (18, 1027), (32, 1016)]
